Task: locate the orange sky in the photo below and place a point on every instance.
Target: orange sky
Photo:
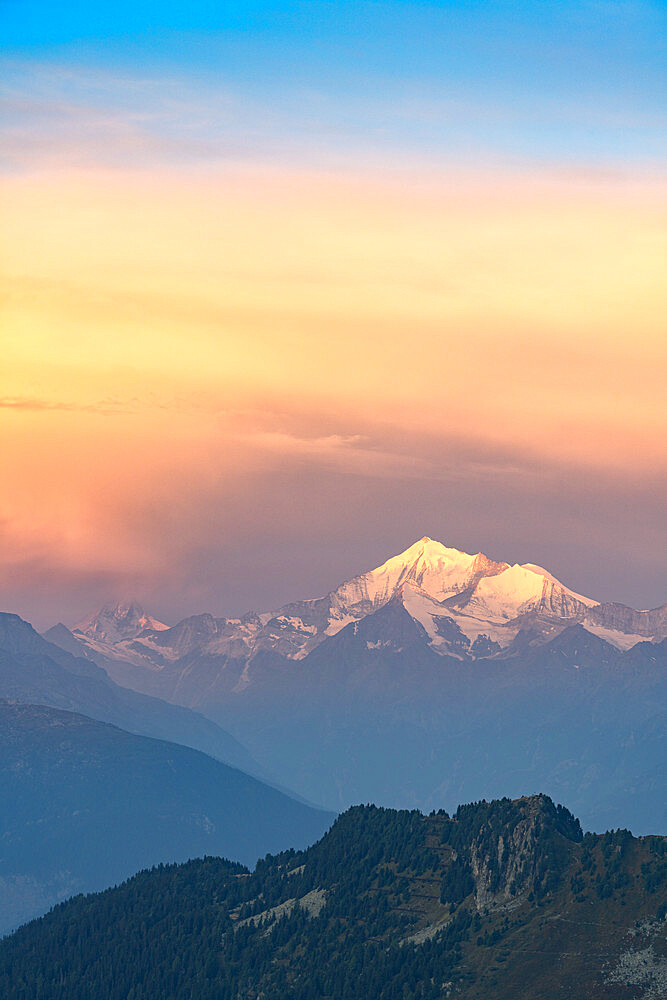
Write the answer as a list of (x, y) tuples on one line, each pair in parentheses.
[(170, 337)]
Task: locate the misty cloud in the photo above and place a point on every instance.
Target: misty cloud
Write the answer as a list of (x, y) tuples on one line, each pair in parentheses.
[(297, 522)]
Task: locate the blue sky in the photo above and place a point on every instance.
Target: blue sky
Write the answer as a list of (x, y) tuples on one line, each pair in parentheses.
[(570, 83)]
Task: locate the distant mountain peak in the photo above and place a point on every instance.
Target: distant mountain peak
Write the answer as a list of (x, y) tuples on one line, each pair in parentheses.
[(435, 568), (427, 549), (456, 596), (115, 622)]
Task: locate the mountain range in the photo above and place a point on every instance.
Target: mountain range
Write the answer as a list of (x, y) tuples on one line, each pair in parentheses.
[(437, 677), (469, 606)]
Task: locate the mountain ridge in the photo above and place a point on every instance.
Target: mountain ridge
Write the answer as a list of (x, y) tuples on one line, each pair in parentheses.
[(478, 597), (504, 899)]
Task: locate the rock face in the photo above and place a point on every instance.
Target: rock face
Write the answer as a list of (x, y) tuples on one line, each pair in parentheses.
[(651, 624), (512, 855)]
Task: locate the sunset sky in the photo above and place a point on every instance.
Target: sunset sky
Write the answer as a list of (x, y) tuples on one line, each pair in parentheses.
[(287, 286)]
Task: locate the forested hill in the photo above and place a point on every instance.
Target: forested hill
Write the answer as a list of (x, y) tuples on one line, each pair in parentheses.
[(504, 900)]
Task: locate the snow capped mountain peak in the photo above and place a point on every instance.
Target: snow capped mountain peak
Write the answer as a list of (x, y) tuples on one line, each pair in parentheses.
[(426, 552), (434, 569), (457, 597), (438, 570), (505, 595), (116, 622)]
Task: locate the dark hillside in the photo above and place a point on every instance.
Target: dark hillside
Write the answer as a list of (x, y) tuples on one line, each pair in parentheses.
[(505, 900)]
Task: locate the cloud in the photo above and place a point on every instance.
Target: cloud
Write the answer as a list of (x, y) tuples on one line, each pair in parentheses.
[(270, 505), (464, 303), (352, 454), (104, 406)]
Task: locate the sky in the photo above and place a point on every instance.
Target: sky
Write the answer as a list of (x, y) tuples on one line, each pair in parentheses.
[(288, 286)]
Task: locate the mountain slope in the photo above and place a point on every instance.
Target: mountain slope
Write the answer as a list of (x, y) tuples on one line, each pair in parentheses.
[(86, 804), (36, 671), (505, 901)]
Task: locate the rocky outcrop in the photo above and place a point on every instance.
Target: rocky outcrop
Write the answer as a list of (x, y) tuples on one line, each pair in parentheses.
[(652, 624), (521, 847)]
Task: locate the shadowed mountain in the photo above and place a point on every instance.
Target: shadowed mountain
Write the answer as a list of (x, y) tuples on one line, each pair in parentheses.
[(394, 721), (40, 672), (86, 804)]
